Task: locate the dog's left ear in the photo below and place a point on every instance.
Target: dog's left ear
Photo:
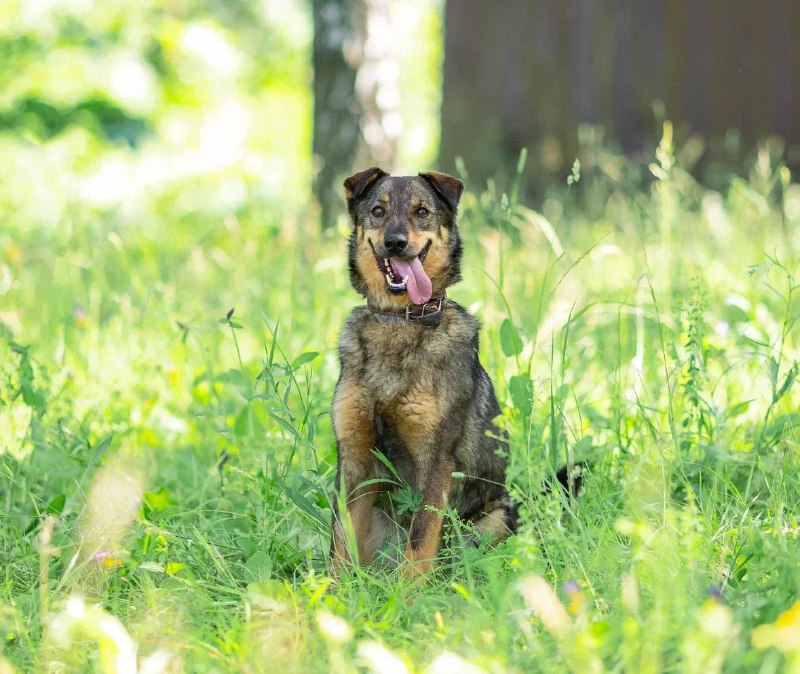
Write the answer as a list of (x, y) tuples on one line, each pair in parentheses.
[(447, 187), (356, 186)]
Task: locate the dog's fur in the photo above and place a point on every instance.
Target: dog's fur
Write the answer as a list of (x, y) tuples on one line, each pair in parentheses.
[(414, 390)]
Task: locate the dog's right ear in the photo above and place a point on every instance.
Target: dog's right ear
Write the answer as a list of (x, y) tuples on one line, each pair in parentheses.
[(356, 186)]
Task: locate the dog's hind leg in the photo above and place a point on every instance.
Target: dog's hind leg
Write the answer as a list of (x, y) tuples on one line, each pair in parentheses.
[(495, 525)]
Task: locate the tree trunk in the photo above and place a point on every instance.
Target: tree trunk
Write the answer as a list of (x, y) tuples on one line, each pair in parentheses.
[(336, 113), (356, 97)]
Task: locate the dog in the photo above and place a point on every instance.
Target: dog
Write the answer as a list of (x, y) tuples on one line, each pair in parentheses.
[(411, 385)]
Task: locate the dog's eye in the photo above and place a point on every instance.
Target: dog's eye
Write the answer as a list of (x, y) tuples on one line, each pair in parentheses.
[(378, 211), (422, 212)]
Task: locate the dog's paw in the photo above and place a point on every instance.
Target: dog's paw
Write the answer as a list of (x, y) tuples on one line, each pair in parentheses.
[(416, 572)]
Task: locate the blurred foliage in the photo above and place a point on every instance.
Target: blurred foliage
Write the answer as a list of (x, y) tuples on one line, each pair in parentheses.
[(113, 106), (117, 108)]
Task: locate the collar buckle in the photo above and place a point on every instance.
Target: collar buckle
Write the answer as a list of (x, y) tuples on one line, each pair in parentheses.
[(417, 317), (415, 313)]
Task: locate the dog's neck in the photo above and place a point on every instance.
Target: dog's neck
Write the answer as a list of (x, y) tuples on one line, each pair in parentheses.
[(428, 314)]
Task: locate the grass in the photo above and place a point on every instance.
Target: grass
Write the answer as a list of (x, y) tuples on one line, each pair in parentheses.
[(167, 461)]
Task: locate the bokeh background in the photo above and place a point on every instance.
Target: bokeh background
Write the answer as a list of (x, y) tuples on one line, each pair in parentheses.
[(222, 103)]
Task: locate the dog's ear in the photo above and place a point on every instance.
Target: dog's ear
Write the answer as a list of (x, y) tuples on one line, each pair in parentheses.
[(356, 186), (447, 187)]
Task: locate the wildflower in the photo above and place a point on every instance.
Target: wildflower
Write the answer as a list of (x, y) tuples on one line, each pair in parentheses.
[(80, 317), (575, 598), (107, 559), (783, 634)]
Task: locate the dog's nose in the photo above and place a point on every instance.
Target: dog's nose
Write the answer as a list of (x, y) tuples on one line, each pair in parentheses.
[(395, 243)]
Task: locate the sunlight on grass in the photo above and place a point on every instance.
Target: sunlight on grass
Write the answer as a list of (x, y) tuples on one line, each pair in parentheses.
[(166, 405)]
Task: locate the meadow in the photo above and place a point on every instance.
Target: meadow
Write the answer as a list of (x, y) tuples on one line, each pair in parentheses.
[(167, 458)]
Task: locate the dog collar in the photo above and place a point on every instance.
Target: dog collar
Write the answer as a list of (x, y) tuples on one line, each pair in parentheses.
[(429, 313)]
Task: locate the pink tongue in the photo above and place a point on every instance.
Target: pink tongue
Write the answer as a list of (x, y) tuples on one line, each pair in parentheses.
[(419, 285)]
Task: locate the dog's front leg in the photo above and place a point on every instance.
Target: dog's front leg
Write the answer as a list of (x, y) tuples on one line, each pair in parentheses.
[(354, 427), (425, 535)]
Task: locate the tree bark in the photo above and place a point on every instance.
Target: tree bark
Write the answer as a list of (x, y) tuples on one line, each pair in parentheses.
[(356, 96), (336, 111)]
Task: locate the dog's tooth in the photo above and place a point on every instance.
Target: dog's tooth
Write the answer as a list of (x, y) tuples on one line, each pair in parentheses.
[(405, 280)]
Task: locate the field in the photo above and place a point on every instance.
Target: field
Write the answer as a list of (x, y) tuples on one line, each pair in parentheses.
[(166, 456)]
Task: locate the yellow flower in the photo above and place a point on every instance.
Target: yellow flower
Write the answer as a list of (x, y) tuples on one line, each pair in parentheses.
[(13, 253), (783, 634), (575, 598)]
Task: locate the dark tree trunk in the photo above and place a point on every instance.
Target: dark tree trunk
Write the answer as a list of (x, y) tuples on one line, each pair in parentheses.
[(356, 118), (336, 110)]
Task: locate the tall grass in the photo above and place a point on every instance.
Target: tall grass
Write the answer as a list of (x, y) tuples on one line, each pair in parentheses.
[(167, 459)]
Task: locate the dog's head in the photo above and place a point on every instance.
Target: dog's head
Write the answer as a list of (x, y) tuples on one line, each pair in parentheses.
[(404, 247)]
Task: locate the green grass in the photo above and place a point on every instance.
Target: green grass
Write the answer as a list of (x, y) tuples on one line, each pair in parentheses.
[(185, 457)]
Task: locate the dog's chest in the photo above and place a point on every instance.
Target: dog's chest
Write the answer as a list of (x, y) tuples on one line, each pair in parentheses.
[(397, 360)]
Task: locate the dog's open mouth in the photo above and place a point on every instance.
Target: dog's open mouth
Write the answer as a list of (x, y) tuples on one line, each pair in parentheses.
[(407, 275)]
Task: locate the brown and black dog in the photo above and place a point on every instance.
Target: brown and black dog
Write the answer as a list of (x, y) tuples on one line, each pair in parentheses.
[(411, 385)]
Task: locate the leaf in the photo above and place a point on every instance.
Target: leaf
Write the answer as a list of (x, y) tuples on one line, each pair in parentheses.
[(173, 567), (522, 160), (247, 422), (407, 499), (306, 506), (521, 389), (783, 423), (287, 425), (56, 505), (773, 372), (157, 500), (258, 568), (463, 591), (236, 377), (509, 339), (385, 461), (241, 426), (787, 383), (378, 480), (304, 358), (561, 393), (737, 409)]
